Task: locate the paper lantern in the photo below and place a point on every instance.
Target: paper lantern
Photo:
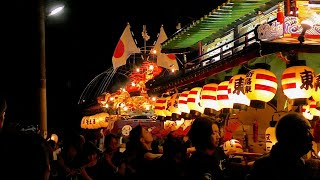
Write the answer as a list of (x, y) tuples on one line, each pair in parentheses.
[(222, 95), (316, 88), (85, 122), (94, 121), (236, 94), (160, 107), (193, 101), (167, 111), (209, 98), (103, 119), (297, 83), (182, 104), (270, 137), (232, 145), (173, 107), (260, 87)]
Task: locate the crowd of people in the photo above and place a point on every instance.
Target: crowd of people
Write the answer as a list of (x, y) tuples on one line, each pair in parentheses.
[(27, 155)]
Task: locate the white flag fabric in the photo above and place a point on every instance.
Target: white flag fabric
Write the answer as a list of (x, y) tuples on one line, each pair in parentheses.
[(125, 47), (168, 61)]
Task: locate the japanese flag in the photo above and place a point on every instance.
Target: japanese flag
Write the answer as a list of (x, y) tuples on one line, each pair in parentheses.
[(125, 47), (168, 61)]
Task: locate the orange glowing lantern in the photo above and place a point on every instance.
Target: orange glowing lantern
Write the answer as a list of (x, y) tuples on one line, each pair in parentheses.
[(95, 124), (160, 107), (209, 98), (297, 83), (316, 88), (236, 94), (182, 104), (193, 101), (173, 107), (222, 95), (260, 87), (85, 122), (103, 119)]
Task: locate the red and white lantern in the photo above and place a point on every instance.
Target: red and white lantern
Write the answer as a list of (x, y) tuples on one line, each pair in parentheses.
[(182, 104), (297, 82), (193, 101), (260, 87), (222, 95), (236, 93), (209, 98), (160, 107), (173, 107)]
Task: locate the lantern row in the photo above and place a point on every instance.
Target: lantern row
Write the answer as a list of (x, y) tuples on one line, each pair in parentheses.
[(253, 89)]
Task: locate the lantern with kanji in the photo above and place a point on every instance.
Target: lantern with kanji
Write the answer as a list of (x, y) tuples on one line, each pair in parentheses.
[(85, 122), (236, 94), (173, 107), (260, 87), (183, 106), (222, 95), (167, 110), (297, 83), (209, 98), (270, 136), (316, 88), (193, 101)]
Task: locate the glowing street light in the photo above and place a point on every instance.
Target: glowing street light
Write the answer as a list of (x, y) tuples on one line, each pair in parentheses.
[(43, 79)]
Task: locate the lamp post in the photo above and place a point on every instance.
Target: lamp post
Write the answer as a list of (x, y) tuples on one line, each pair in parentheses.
[(43, 78)]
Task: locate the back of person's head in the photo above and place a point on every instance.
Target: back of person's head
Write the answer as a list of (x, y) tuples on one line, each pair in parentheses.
[(3, 108), (134, 143), (111, 142), (24, 156), (201, 131), (174, 146), (135, 134), (294, 130)]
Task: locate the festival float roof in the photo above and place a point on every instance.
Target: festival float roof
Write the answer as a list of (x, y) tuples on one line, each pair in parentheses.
[(215, 23)]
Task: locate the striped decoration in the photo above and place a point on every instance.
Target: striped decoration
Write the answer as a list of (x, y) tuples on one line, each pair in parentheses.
[(209, 96), (193, 100), (293, 84), (222, 95), (160, 106), (260, 85), (182, 102)]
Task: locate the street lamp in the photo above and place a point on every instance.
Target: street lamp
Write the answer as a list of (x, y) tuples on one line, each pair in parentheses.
[(43, 79)]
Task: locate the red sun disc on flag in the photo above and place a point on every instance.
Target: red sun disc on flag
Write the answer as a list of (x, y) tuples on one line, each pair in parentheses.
[(119, 50)]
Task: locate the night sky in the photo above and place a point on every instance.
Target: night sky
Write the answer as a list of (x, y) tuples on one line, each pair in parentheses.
[(79, 45)]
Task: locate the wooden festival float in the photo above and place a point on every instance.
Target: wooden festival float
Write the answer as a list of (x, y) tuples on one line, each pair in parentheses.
[(245, 63)]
